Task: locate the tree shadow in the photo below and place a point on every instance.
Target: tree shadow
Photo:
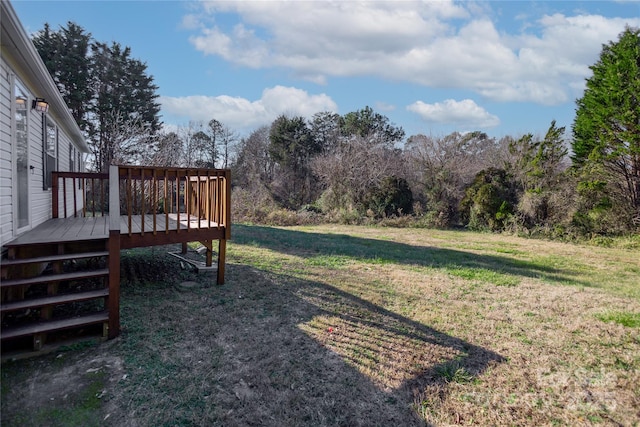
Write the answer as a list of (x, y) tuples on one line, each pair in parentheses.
[(310, 245)]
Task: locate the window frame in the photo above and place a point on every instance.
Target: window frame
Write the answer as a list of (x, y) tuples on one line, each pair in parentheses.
[(50, 158)]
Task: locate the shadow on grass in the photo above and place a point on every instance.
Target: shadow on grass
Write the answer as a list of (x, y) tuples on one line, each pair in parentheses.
[(271, 349), (310, 245), (265, 349)]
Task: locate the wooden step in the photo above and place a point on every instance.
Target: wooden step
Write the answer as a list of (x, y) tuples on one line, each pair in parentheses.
[(54, 325), (48, 278), (53, 258), (53, 300)]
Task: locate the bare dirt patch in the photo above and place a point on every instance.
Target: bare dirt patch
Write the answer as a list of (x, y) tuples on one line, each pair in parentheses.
[(66, 387)]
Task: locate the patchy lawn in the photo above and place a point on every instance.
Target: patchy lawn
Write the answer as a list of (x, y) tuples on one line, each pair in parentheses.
[(356, 326)]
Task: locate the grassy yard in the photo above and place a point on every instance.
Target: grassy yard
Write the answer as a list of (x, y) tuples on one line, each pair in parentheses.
[(356, 326)]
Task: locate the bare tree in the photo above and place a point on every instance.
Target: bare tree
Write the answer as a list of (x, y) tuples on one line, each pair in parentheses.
[(354, 168), (253, 167), (192, 147), (441, 168), (130, 140), (169, 151), (228, 139), (253, 171)]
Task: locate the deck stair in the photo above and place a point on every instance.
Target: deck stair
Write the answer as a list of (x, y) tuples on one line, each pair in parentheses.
[(52, 292)]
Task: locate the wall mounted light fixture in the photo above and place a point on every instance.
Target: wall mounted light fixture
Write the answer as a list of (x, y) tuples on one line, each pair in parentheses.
[(40, 105)]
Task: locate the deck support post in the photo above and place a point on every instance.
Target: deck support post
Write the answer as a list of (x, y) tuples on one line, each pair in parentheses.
[(114, 284), (209, 259), (114, 252), (222, 250)]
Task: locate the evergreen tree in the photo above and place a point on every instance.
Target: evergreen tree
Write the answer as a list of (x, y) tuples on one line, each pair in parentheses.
[(607, 129), (373, 126), (539, 162), (110, 94), (538, 168), (65, 54), (292, 147), (325, 130)]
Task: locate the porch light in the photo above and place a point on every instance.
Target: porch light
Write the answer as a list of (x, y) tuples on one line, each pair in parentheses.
[(21, 101), (40, 105)]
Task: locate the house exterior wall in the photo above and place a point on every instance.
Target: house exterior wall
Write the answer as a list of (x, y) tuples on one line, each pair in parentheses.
[(21, 64), (6, 175)]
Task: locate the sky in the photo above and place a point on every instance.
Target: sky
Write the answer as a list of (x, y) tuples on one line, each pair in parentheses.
[(432, 67)]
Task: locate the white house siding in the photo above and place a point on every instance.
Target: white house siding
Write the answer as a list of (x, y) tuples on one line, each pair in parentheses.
[(40, 200), (20, 61), (6, 175)]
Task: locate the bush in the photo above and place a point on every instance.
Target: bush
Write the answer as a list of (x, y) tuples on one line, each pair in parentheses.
[(488, 203), (392, 197), (251, 205)]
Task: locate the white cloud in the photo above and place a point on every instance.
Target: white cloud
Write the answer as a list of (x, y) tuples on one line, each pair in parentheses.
[(466, 113), (244, 115), (190, 22), (384, 106), (435, 43)]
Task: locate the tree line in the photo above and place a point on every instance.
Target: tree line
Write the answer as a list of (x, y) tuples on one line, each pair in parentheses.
[(359, 167)]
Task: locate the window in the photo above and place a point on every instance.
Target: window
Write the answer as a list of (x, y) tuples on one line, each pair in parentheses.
[(80, 169), (50, 152), (72, 156)]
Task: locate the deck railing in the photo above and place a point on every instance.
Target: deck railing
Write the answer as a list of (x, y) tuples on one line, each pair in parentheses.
[(151, 198), (79, 194), (185, 197)]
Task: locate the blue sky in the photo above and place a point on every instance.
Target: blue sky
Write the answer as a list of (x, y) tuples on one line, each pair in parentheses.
[(432, 67)]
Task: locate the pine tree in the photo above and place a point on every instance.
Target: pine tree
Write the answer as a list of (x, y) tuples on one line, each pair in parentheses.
[(65, 54), (110, 94), (607, 128)]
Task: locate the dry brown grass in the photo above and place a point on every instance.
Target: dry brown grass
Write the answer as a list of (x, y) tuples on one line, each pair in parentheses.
[(354, 326)]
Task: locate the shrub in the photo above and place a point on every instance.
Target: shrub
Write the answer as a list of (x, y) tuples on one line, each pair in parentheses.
[(488, 203), (392, 197)]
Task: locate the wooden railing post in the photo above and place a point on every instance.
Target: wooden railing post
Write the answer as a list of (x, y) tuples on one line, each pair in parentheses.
[(227, 203), (114, 252), (114, 199), (54, 195), (225, 198)]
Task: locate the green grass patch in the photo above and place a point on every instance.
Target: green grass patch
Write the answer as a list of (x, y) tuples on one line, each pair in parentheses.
[(328, 261), (484, 275), (452, 372), (624, 318)]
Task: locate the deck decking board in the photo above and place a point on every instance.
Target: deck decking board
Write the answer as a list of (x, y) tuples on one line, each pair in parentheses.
[(96, 228)]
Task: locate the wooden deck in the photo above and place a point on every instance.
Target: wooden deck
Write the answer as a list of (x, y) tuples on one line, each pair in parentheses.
[(65, 230), (154, 206), (96, 228)]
